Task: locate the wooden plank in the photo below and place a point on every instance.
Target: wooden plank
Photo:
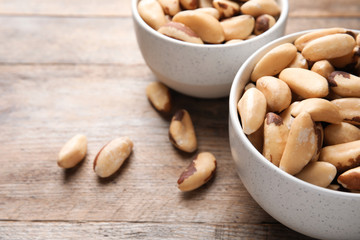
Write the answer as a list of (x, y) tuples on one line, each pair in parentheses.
[(325, 8), (120, 230), (68, 40), (111, 8), (296, 24), (95, 41), (94, 8), (43, 106)]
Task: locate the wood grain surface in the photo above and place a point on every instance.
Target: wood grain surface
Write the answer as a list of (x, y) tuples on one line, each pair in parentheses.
[(69, 67)]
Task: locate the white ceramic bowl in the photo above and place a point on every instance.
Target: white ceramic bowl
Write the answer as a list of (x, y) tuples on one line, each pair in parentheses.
[(204, 71), (306, 208)]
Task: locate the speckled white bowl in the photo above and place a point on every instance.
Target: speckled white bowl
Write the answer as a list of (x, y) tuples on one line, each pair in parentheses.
[(204, 71), (306, 208)]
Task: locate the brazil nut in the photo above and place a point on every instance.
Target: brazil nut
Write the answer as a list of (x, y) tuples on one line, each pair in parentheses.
[(299, 62), (181, 32), (110, 158), (318, 173), (274, 61), (300, 146), (159, 96), (275, 137), (276, 92), (343, 156), (73, 151), (204, 25), (344, 84), (286, 115), (152, 13), (182, 132), (200, 171), (340, 133), (258, 7), (226, 8), (328, 47), (263, 23), (305, 83), (252, 110), (349, 109), (350, 179), (320, 110), (323, 67), (239, 27), (301, 41)]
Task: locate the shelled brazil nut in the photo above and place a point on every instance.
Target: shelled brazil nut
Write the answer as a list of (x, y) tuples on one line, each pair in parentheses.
[(210, 21), (314, 134)]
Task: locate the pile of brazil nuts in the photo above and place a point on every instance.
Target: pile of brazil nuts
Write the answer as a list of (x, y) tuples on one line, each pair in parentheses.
[(182, 136), (301, 108), (210, 21)]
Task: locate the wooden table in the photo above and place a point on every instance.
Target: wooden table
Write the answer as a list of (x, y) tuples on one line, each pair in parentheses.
[(69, 67)]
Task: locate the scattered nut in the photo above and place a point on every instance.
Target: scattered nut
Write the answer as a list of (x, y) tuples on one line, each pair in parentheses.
[(201, 169), (72, 152), (182, 133), (112, 156), (159, 96)]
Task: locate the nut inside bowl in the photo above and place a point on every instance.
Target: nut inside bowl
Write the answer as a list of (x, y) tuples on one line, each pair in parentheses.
[(306, 208), (199, 70)]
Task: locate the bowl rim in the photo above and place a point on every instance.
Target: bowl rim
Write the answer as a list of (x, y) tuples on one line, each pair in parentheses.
[(233, 116), (284, 4)]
